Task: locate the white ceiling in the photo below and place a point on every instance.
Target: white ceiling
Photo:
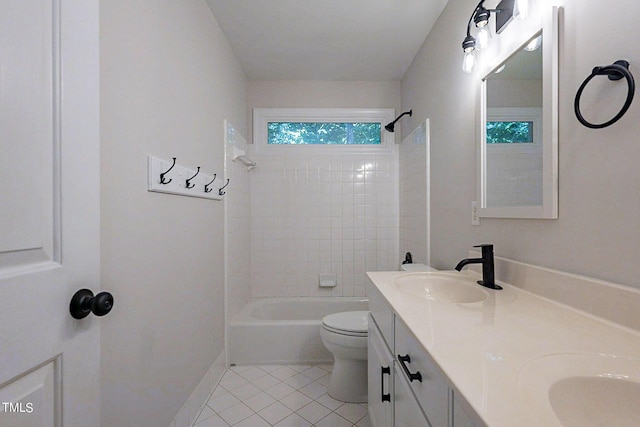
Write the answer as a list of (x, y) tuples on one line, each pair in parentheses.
[(326, 39)]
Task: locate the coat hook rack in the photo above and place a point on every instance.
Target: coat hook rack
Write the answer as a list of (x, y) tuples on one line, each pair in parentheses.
[(188, 182), (222, 193), (206, 186), (162, 180)]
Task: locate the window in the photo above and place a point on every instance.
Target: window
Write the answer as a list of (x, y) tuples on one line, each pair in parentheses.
[(509, 132), (517, 127), (323, 133), (322, 129)]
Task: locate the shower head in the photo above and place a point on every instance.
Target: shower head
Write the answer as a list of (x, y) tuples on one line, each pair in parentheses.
[(391, 126)]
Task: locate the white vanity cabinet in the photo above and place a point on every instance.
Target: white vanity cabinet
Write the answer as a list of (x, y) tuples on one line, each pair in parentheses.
[(381, 383), (396, 397), (461, 416), (424, 379), (407, 412), (412, 392), (382, 313)]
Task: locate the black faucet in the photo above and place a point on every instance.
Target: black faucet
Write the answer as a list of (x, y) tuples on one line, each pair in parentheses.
[(408, 259), (488, 278)]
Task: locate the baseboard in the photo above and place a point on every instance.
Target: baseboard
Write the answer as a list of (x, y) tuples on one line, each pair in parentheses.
[(189, 412)]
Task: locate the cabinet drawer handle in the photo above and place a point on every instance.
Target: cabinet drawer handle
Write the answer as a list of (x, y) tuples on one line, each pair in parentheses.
[(385, 370), (412, 377)]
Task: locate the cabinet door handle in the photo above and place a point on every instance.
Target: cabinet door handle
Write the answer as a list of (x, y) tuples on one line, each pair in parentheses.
[(385, 370), (412, 377)]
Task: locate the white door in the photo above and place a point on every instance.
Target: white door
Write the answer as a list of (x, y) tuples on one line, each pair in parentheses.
[(49, 211)]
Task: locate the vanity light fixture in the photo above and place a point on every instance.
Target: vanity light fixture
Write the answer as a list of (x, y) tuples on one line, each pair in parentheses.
[(480, 17), (521, 9)]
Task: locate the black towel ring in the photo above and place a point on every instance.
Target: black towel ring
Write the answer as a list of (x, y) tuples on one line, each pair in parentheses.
[(615, 71)]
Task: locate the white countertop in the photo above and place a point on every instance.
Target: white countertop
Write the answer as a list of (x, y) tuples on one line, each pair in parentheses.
[(496, 353)]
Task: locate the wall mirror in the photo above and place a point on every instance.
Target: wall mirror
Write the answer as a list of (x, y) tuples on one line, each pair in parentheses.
[(518, 141)]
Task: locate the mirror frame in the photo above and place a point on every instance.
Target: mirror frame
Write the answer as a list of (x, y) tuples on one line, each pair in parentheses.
[(550, 44)]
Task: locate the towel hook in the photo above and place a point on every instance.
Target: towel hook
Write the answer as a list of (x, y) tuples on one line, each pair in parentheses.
[(162, 180), (222, 193), (189, 185), (206, 186)]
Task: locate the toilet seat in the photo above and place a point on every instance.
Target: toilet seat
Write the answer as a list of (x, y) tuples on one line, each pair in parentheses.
[(350, 323)]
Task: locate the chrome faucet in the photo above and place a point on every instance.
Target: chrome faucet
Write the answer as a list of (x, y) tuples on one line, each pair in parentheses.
[(488, 278)]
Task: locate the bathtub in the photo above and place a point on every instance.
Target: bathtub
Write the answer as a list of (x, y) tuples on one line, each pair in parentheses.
[(284, 330)]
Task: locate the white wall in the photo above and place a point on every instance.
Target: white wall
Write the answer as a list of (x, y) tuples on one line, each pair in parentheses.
[(316, 214), (598, 229), (514, 93), (168, 79)]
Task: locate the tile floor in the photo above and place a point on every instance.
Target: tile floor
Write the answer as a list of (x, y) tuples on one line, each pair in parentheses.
[(279, 396)]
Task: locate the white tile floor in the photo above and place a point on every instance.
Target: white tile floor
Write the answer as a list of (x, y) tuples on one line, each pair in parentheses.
[(280, 396)]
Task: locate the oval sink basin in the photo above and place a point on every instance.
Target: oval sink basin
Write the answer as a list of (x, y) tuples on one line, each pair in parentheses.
[(596, 401), (578, 389), (440, 287)]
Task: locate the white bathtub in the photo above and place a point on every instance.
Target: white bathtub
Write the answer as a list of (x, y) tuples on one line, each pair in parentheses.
[(285, 330)]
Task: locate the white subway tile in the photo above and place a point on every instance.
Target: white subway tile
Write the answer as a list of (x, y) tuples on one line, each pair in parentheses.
[(318, 221)]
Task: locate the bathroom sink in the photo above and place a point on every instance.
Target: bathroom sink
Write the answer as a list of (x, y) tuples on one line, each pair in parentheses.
[(584, 401), (440, 287), (573, 390)]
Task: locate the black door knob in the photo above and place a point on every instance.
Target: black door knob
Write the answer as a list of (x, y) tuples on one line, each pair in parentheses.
[(84, 302)]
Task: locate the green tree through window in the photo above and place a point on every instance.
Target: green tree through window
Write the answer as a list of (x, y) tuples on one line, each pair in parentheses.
[(509, 132), (309, 133)]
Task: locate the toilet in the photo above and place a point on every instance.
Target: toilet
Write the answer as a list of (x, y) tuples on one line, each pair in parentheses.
[(345, 336)]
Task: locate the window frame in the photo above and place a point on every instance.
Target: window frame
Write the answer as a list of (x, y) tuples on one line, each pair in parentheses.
[(262, 116)]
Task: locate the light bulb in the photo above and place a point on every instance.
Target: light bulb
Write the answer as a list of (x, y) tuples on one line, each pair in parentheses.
[(481, 17), (469, 61), (520, 9), (534, 44), (483, 37)]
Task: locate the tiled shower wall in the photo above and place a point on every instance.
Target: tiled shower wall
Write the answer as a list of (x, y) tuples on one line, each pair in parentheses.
[(413, 195), (322, 214), (514, 175)]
